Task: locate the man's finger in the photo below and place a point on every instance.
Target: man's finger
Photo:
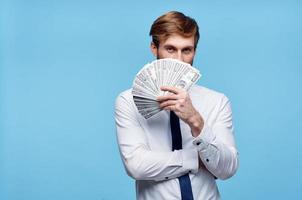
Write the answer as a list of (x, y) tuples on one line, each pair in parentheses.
[(167, 97), (168, 103), (172, 108)]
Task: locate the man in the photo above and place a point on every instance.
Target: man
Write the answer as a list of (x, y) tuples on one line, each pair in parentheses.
[(202, 116)]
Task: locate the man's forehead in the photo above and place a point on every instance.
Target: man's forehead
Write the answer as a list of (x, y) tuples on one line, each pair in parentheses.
[(178, 41)]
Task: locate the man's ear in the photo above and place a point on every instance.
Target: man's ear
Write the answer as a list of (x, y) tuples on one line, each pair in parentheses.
[(153, 49)]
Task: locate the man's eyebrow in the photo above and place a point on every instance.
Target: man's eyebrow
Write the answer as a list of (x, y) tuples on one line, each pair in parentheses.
[(169, 45), (188, 47)]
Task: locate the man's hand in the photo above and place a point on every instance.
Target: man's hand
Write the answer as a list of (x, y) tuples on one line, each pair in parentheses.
[(180, 102)]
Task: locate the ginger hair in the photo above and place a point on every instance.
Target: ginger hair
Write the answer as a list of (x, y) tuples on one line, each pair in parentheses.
[(173, 22)]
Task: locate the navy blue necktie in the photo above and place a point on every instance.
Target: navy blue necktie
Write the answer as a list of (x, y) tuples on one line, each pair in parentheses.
[(184, 181)]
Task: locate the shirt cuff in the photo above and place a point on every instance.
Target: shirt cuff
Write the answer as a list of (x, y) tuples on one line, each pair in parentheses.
[(190, 160), (203, 143), (206, 136)]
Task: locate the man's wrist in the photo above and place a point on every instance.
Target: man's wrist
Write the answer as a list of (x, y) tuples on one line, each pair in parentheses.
[(196, 124)]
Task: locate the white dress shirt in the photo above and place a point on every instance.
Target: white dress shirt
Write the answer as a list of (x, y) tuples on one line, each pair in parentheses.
[(145, 147)]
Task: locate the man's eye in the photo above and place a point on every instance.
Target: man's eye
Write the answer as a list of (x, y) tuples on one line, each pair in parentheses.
[(187, 51), (170, 49)]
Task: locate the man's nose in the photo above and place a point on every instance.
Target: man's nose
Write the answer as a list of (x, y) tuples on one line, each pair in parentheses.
[(179, 56)]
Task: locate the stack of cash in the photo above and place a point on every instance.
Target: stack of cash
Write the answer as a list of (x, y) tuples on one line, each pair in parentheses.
[(161, 72)]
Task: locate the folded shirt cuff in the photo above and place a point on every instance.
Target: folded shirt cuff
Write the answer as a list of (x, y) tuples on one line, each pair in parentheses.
[(206, 136), (190, 160), (204, 145)]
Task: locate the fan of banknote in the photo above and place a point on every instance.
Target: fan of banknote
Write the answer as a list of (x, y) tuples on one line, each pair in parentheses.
[(161, 72)]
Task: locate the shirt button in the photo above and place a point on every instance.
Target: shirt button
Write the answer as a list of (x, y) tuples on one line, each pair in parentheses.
[(166, 178), (207, 160)]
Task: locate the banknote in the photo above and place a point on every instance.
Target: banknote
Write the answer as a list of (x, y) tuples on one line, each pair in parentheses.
[(160, 72)]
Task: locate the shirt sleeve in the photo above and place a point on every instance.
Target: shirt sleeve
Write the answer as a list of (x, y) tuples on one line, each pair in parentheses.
[(216, 144), (140, 161)]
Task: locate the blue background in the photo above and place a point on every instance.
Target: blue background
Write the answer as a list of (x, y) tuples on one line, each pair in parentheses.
[(62, 64)]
